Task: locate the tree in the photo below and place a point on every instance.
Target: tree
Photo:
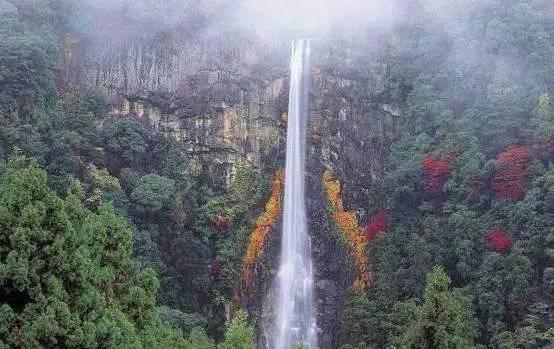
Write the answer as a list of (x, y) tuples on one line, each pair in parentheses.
[(153, 192), (436, 173), (502, 286), (360, 321), (126, 137), (543, 118), (510, 172), (460, 242), (239, 335), (444, 319), (499, 241), (66, 274), (28, 57), (377, 224), (199, 340)]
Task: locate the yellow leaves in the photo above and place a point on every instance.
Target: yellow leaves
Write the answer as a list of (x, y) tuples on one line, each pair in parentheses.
[(346, 221), (332, 189), (263, 226), (102, 180), (348, 224)]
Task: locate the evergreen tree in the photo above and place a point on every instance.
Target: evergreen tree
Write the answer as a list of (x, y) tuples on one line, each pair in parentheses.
[(239, 335), (444, 320), (66, 274)]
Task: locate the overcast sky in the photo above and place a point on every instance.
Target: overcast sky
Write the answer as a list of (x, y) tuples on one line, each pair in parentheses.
[(312, 17)]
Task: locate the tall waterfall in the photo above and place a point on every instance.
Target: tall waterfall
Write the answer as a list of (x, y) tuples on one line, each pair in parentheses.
[(295, 314)]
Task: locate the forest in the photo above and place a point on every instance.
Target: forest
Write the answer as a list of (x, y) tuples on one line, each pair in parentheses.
[(119, 229)]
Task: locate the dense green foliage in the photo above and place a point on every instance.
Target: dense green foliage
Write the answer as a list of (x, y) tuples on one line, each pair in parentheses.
[(168, 199), (68, 278), (67, 274), (108, 202), (443, 320), (239, 334), (471, 83)]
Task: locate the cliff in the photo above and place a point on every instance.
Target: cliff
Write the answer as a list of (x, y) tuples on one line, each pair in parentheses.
[(225, 99)]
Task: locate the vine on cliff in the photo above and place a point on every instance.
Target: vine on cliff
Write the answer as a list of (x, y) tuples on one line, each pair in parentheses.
[(348, 224)]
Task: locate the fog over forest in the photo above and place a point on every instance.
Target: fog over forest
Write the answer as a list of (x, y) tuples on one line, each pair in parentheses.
[(277, 174)]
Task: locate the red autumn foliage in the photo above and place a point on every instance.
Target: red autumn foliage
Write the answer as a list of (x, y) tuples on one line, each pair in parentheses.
[(499, 241), (377, 224), (436, 174), (510, 172)]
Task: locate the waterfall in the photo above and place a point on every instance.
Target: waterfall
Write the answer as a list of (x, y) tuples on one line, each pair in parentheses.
[(295, 314)]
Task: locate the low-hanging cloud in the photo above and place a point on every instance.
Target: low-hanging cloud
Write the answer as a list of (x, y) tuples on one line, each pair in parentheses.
[(267, 18), (312, 17)]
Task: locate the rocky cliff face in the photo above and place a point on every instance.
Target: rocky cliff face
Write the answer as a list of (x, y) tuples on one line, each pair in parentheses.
[(215, 98), (351, 126), (226, 99)]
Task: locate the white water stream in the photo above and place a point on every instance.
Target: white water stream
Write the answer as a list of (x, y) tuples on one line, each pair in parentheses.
[(295, 314)]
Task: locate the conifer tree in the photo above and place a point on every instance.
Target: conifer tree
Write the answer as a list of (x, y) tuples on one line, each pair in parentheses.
[(443, 320), (67, 278)]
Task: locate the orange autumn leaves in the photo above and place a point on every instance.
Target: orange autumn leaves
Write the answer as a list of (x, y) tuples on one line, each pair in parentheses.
[(263, 226), (348, 224), (346, 220)]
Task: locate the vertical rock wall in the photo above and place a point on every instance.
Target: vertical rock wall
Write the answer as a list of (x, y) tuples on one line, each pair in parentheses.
[(224, 98), (212, 94), (351, 126)]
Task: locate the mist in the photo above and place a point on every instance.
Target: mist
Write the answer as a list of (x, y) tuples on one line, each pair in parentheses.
[(313, 18), (268, 19), (297, 173)]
